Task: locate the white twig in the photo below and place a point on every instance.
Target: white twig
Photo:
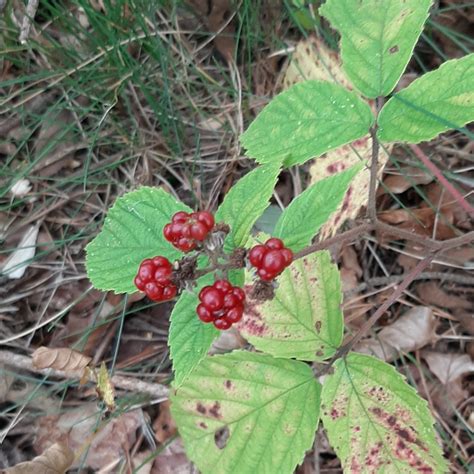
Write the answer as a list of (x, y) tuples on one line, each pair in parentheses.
[(18, 361), (28, 19)]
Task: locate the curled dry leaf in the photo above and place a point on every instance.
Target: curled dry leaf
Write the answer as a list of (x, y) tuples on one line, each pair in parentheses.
[(55, 460), (60, 359), (432, 293), (227, 341), (312, 59), (97, 443), (412, 331), (448, 367), (399, 182), (164, 425), (15, 266)]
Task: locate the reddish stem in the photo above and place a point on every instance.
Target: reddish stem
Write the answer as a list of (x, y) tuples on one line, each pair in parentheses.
[(448, 186)]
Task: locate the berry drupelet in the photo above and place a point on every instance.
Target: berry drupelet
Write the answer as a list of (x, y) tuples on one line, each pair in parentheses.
[(185, 230), (154, 278), (270, 259), (221, 304)]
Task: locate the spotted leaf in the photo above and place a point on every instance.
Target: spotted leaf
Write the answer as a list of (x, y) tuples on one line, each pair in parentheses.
[(376, 422)]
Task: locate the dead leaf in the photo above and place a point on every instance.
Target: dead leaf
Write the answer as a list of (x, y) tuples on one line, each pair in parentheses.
[(164, 425), (55, 460), (312, 59), (412, 331), (398, 182), (432, 293), (448, 367), (61, 359), (106, 441), (21, 188), (172, 460), (105, 389), (16, 264), (227, 342), (351, 271)]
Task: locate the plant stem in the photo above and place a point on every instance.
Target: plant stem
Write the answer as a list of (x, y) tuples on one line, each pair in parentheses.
[(374, 164)]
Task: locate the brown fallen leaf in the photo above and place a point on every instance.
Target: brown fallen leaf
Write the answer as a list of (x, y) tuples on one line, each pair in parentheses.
[(399, 181), (227, 342), (350, 269), (61, 359), (97, 444), (448, 367), (164, 425), (412, 331), (432, 293), (55, 460), (172, 460)]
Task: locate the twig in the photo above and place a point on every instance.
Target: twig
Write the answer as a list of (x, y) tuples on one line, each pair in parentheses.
[(374, 164), (440, 177), (345, 349), (27, 20), (130, 384), (381, 281)]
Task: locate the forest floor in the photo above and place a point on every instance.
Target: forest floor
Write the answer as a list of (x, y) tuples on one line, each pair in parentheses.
[(100, 97)]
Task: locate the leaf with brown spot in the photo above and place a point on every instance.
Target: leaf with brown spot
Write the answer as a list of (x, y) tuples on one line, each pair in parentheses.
[(55, 460), (263, 421), (304, 320), (60, 359), (376, 422)]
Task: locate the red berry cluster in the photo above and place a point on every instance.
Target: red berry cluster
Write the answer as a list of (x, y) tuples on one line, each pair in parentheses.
[(154, 278), (186, 230), (270, 259), (222, 304)]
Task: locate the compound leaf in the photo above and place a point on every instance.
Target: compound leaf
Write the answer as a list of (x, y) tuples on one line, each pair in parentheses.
[(189, 338), (245, 203), (376, 422), (377, 39), (438, 101), (246, 413), (305, 215), (304, 320), (132, 231), (306, 121)]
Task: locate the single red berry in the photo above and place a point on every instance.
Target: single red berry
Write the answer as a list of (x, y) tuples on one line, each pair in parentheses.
[(153, 291), (235, 314), (239, 293), (274, 244), (264, 275), (185, 245), (205, 218), (222, 324), (146, 270), (204, 314), (222, 285), (212, 299), (169, 292), (287, 255), (180, 216), (230, 300), (199, 231), (273, 261), (163, 275), (139, 283), (256, 255), (162, 262)]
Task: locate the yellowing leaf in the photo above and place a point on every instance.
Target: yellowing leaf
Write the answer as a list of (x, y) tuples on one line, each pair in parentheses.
[(61, 359), (55, 460), (376, 422), (105, 389)]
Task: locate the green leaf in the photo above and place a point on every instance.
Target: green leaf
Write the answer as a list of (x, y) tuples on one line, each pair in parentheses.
[(247, 413), (245, 203), (376, 422), (438, 101), (305, 121), (304, 320), (305, 215), (189, 338), (377, 39), (132, 231)]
